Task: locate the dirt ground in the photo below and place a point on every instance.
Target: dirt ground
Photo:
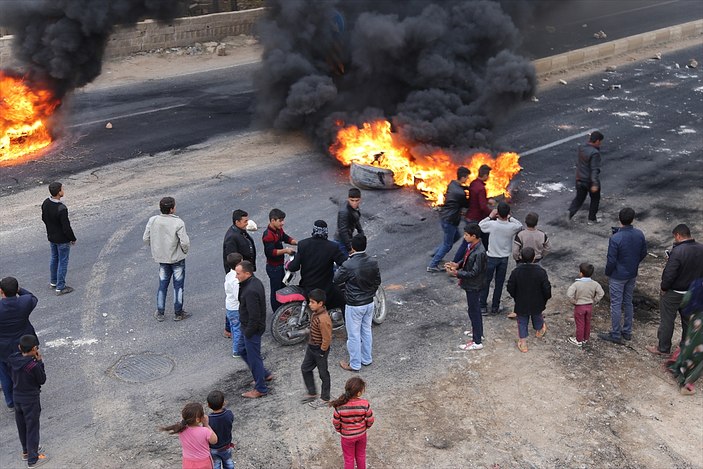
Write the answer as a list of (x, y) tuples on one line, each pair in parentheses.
[(557, 406)]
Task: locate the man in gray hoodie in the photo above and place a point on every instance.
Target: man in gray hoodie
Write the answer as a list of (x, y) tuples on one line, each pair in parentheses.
[(166, 234)]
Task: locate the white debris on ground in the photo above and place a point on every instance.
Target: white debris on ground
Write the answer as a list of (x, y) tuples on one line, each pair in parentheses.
[(544, 189), (212, 48), (683, 130), (699, 89), (600, 35), (69, 342)]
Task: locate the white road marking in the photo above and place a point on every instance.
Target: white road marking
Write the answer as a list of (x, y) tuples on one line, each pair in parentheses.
[(140, 113), (558, 142)]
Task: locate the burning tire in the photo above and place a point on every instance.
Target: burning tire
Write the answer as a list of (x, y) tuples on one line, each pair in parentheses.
[(371, 177)]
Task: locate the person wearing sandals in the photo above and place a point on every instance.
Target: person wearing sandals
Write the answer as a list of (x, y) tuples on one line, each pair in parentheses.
[(471, 272), (530, 288), (687, 364)]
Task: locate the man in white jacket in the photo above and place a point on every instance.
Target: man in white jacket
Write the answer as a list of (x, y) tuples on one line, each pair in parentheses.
[(166, 234), (502, 228)]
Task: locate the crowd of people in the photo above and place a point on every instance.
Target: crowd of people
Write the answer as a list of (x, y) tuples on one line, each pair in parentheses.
[(340, 274)]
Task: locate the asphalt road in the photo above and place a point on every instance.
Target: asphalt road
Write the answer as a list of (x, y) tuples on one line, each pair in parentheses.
[(652, 161), (570, 25)]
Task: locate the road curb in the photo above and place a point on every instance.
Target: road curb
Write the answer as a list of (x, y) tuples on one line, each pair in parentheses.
[(574, 58)]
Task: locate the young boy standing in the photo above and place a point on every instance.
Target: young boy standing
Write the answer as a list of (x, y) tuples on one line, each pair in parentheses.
[(583, 294), (318, 349), (531, 238), (27, 377), (232, 300), (220, 420), (273, 239), (530, 288)]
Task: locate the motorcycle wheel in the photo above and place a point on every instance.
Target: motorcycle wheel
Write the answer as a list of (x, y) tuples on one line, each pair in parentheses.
[(281, 324), (379, 306)]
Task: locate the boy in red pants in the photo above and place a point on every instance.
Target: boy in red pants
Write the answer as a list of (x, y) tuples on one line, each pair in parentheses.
[(583, 294)]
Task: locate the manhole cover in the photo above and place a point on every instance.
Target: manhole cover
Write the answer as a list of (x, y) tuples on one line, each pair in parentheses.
[(142, 367)]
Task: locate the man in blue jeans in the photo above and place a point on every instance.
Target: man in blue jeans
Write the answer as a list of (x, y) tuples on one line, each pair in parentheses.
[(361, 278), (166, 235), (626, 249), (455, 199), (54, 214), (502, 228)]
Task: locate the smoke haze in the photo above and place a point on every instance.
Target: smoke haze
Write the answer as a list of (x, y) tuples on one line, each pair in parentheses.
[(444, 73), (62, 42)]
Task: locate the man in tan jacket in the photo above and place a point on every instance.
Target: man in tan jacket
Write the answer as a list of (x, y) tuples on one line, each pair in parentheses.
[(166, 234)]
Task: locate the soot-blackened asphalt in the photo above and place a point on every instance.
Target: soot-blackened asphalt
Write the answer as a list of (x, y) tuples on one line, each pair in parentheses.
[(652, 149)]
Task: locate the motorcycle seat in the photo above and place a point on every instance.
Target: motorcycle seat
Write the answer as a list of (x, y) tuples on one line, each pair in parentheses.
[(290, 293)]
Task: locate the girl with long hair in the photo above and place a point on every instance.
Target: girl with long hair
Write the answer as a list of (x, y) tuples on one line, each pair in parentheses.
[(195, 435), (352, 417)]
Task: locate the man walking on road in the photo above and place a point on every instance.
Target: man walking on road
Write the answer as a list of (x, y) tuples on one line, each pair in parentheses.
[(502, 228), (626, 249), (455, 200), (16, 304), (685, 264), (588, 177), (361, 277), (252, 318), (54, 214), (166, 234)]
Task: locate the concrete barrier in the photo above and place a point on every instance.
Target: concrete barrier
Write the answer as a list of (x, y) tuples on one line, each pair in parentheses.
[(149, 35), (574, 58)]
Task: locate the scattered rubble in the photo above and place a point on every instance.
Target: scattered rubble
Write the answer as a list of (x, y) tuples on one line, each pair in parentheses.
[(611, 68), (600, 35), (535, 99), (108, 125), (657, 56), (615, 87), (693, 63), (563, 82)]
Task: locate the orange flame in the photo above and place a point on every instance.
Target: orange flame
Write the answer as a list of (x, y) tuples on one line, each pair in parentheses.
[(374, 144), (23, 113)]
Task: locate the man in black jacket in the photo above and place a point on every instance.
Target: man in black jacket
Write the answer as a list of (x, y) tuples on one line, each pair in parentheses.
[(530, 288), (361, 277), (16, 304), (316, 258), (471, 272), (685, 264), (455, 200), (238, 240), (348, 221), (252, 318), (54, 214), (588, 177)]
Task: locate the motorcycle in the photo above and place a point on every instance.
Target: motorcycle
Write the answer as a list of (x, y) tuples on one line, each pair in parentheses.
[(290, 323)]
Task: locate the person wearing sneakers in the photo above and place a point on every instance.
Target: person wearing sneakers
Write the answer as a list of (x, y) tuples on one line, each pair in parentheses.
[(583, 294), (361, 278), (16, 304), (502, 228), (626, 249), (28, 376), (54, 214), (471, 272), (530, 288), (588, 177), (252, 317), (169, 242), (232, 301), (455, 200)]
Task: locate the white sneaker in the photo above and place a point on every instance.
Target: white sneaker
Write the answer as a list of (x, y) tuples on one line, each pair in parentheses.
[(594, 222), (575, 342), (471, 346)]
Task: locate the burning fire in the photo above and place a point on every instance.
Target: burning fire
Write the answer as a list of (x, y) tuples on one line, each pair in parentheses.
[(23, 114), (374, 144)]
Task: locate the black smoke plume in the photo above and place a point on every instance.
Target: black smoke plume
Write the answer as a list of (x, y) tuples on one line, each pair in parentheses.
[(62, 42), (444, 72)]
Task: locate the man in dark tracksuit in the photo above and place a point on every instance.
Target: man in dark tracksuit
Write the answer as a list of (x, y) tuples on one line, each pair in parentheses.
[(348, 221), (316, 258), (54, 214), (588, 177), (450, 216), (252, 317), (27, 377), (685, 264), (16, 304)]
